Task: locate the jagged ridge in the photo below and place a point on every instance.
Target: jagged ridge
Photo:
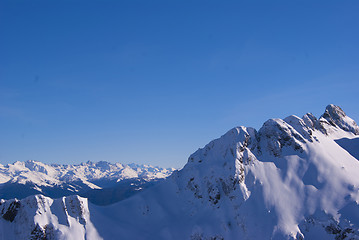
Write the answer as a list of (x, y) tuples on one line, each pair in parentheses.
[(102, 182), (288, 180)]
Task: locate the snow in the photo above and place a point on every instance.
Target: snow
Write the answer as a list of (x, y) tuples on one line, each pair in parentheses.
[(66, 218), (291, 179), (43, 175), (351, 145)]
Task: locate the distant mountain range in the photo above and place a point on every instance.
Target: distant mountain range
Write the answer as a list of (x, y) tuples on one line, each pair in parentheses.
[(102, 182), (296, 178)]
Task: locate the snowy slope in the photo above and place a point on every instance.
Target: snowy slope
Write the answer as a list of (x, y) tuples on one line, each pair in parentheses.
[(44, 175), (23, 179), (39, 217), (288, 180), (351, 145)]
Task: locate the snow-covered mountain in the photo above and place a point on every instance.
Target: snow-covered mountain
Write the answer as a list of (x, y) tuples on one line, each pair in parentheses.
[(296, 178), (22, 179)]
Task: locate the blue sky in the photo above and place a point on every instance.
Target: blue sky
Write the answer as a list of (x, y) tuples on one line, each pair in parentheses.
[(152, 81)]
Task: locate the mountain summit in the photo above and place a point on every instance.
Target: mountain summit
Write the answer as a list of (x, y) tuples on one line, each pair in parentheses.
[(295, 178), (336, 117), (102, 182)]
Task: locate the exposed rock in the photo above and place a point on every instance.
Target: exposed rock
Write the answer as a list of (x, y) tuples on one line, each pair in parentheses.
[(11, 211)]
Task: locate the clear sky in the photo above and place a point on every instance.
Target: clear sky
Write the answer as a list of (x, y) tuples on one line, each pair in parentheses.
[(152, 81)]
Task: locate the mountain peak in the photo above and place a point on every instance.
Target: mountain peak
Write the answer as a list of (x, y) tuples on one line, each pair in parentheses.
[(335, 111), (226, 147), (334, 116), (290, 180)]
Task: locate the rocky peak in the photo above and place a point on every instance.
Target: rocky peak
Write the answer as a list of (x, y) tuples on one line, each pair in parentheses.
[(333, 112), (225, 148), (335, 117), (300, 126), (310, 120), (216, 171), (238, 147), (275, 134), (40, 217), (36, 166)]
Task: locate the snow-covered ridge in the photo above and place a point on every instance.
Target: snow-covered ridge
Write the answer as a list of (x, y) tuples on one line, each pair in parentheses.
[(292, 179), (291, 173), (115, 180), (42, 174), (40, 217)]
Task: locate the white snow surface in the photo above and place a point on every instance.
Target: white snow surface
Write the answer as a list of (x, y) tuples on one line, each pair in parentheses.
[(40, 217), (48, 175), (289, 180)]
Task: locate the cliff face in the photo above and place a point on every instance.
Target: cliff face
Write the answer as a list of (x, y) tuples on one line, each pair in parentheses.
[(39, 217)]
